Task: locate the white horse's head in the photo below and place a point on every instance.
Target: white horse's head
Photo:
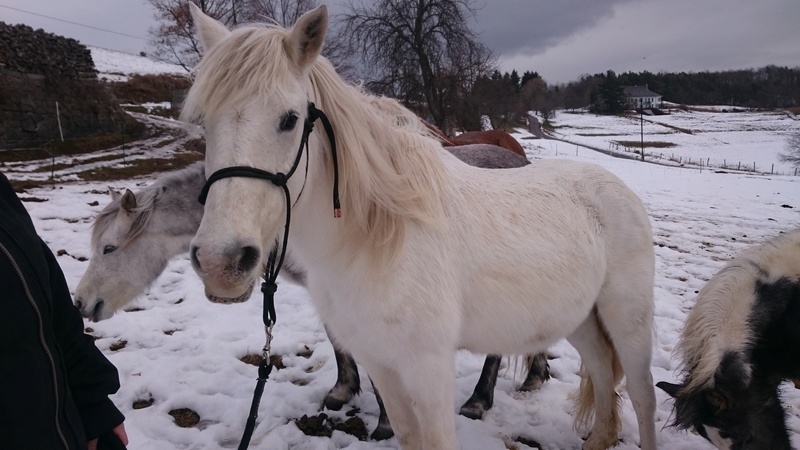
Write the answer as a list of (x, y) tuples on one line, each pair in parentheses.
[(134, 237), (251, 94), (128, 253)]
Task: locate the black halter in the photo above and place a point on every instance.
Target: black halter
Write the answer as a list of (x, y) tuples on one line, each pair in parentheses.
[(274, 262)]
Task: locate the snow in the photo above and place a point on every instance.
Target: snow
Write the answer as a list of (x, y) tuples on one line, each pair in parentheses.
[(723, 140), (113, 65), (183, 351)]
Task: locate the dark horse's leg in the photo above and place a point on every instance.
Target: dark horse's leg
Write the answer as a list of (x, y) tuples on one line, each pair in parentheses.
[(384, 428), (483, 396), (348, 384), (538, 373)]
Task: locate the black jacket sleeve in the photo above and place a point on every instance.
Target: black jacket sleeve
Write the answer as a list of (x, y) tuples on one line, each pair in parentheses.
[(91, 377), (48, 360)]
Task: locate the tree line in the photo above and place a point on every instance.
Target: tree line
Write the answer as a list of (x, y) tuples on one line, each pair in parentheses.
[(424, 53)]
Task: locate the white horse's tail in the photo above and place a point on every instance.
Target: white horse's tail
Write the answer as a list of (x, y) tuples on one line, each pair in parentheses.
[(584, 399)]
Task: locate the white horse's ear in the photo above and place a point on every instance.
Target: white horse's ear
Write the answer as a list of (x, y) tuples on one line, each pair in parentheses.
[(114, 194), (209, 31), (305, 39), (128, 201)]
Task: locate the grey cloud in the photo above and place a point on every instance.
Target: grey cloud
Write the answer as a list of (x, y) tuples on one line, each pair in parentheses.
[(530, 26)]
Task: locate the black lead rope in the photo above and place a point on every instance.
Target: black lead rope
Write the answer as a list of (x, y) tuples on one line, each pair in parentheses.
[(275, 262)]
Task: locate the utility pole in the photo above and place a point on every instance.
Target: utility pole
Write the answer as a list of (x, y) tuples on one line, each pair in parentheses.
[(641, 128)]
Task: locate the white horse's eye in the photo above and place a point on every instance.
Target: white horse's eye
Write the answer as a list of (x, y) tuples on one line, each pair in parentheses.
[(108, 249), (288, 121)]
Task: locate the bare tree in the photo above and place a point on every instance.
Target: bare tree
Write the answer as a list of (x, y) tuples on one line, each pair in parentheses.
[(792, 155), (282, 12), (173, 39), (418, 47)]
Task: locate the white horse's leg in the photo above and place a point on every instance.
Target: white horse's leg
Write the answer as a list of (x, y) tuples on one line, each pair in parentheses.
[(631, 333), (597, 358), (396, 402), (431, 384), (422, 397)]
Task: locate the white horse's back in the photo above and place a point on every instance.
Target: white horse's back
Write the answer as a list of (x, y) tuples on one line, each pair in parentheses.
[(516, 278)]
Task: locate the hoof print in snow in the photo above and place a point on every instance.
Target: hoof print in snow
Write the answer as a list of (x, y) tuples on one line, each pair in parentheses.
[(185, 417), (305, 352), (529, 442), (322, 425), (142, 404)]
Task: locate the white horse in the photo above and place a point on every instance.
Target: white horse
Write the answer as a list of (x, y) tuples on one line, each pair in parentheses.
[(430, 254)]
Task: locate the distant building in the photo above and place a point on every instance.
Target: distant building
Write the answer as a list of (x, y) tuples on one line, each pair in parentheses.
[(640, 97)]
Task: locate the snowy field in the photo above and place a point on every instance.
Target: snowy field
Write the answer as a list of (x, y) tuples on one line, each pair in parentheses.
[(182, 351), (113, 65), (729, 140), (177, 350)]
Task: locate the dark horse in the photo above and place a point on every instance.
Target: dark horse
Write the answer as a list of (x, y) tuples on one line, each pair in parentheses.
[(493, 137), (739, 343), (498, 138), (136, 234)]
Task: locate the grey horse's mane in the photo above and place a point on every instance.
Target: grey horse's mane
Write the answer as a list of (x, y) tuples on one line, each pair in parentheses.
[(146, 201)]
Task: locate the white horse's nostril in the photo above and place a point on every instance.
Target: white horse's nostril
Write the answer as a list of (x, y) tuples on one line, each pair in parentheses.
[(194, 259), (248, 258), (96, 314)]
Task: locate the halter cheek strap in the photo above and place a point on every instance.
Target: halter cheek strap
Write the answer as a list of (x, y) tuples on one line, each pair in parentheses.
[(274, 263)]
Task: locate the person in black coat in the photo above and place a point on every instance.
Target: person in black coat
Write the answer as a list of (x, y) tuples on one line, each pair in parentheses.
[(54, 382)]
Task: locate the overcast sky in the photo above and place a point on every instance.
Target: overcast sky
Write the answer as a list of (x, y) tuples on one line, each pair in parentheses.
[(561, 39)]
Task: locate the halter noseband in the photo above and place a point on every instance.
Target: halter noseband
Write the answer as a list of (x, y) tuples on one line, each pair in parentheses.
[(274, 263)]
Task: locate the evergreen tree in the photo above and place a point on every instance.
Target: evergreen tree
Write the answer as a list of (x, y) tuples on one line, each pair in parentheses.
[(612, 94)]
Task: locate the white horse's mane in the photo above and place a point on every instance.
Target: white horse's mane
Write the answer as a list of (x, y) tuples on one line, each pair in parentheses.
[(389, 166), (145, 205), (718, 323)]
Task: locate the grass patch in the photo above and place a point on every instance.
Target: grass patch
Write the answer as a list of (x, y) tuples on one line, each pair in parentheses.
[(140, 167), (649, 144), (150, 87), (74, 146), (136, 168), (165, 142), (20, 186)]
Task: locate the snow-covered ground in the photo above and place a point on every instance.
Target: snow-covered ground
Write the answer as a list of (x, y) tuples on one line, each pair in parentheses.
[(113, 65), (183, 351), (729, 140)]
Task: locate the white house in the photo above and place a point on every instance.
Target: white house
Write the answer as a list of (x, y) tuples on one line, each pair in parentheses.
[(640, 97)]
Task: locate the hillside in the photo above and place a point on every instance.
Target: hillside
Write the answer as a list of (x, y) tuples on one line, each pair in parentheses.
[(112, 65)]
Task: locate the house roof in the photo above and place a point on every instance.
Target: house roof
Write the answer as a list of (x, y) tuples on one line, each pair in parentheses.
[(639, 91)]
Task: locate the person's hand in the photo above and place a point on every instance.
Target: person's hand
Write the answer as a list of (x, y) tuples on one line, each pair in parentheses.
[(119, 430)]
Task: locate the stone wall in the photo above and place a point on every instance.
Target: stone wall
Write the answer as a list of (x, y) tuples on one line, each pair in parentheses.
[(38, 69), (29, 51)]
